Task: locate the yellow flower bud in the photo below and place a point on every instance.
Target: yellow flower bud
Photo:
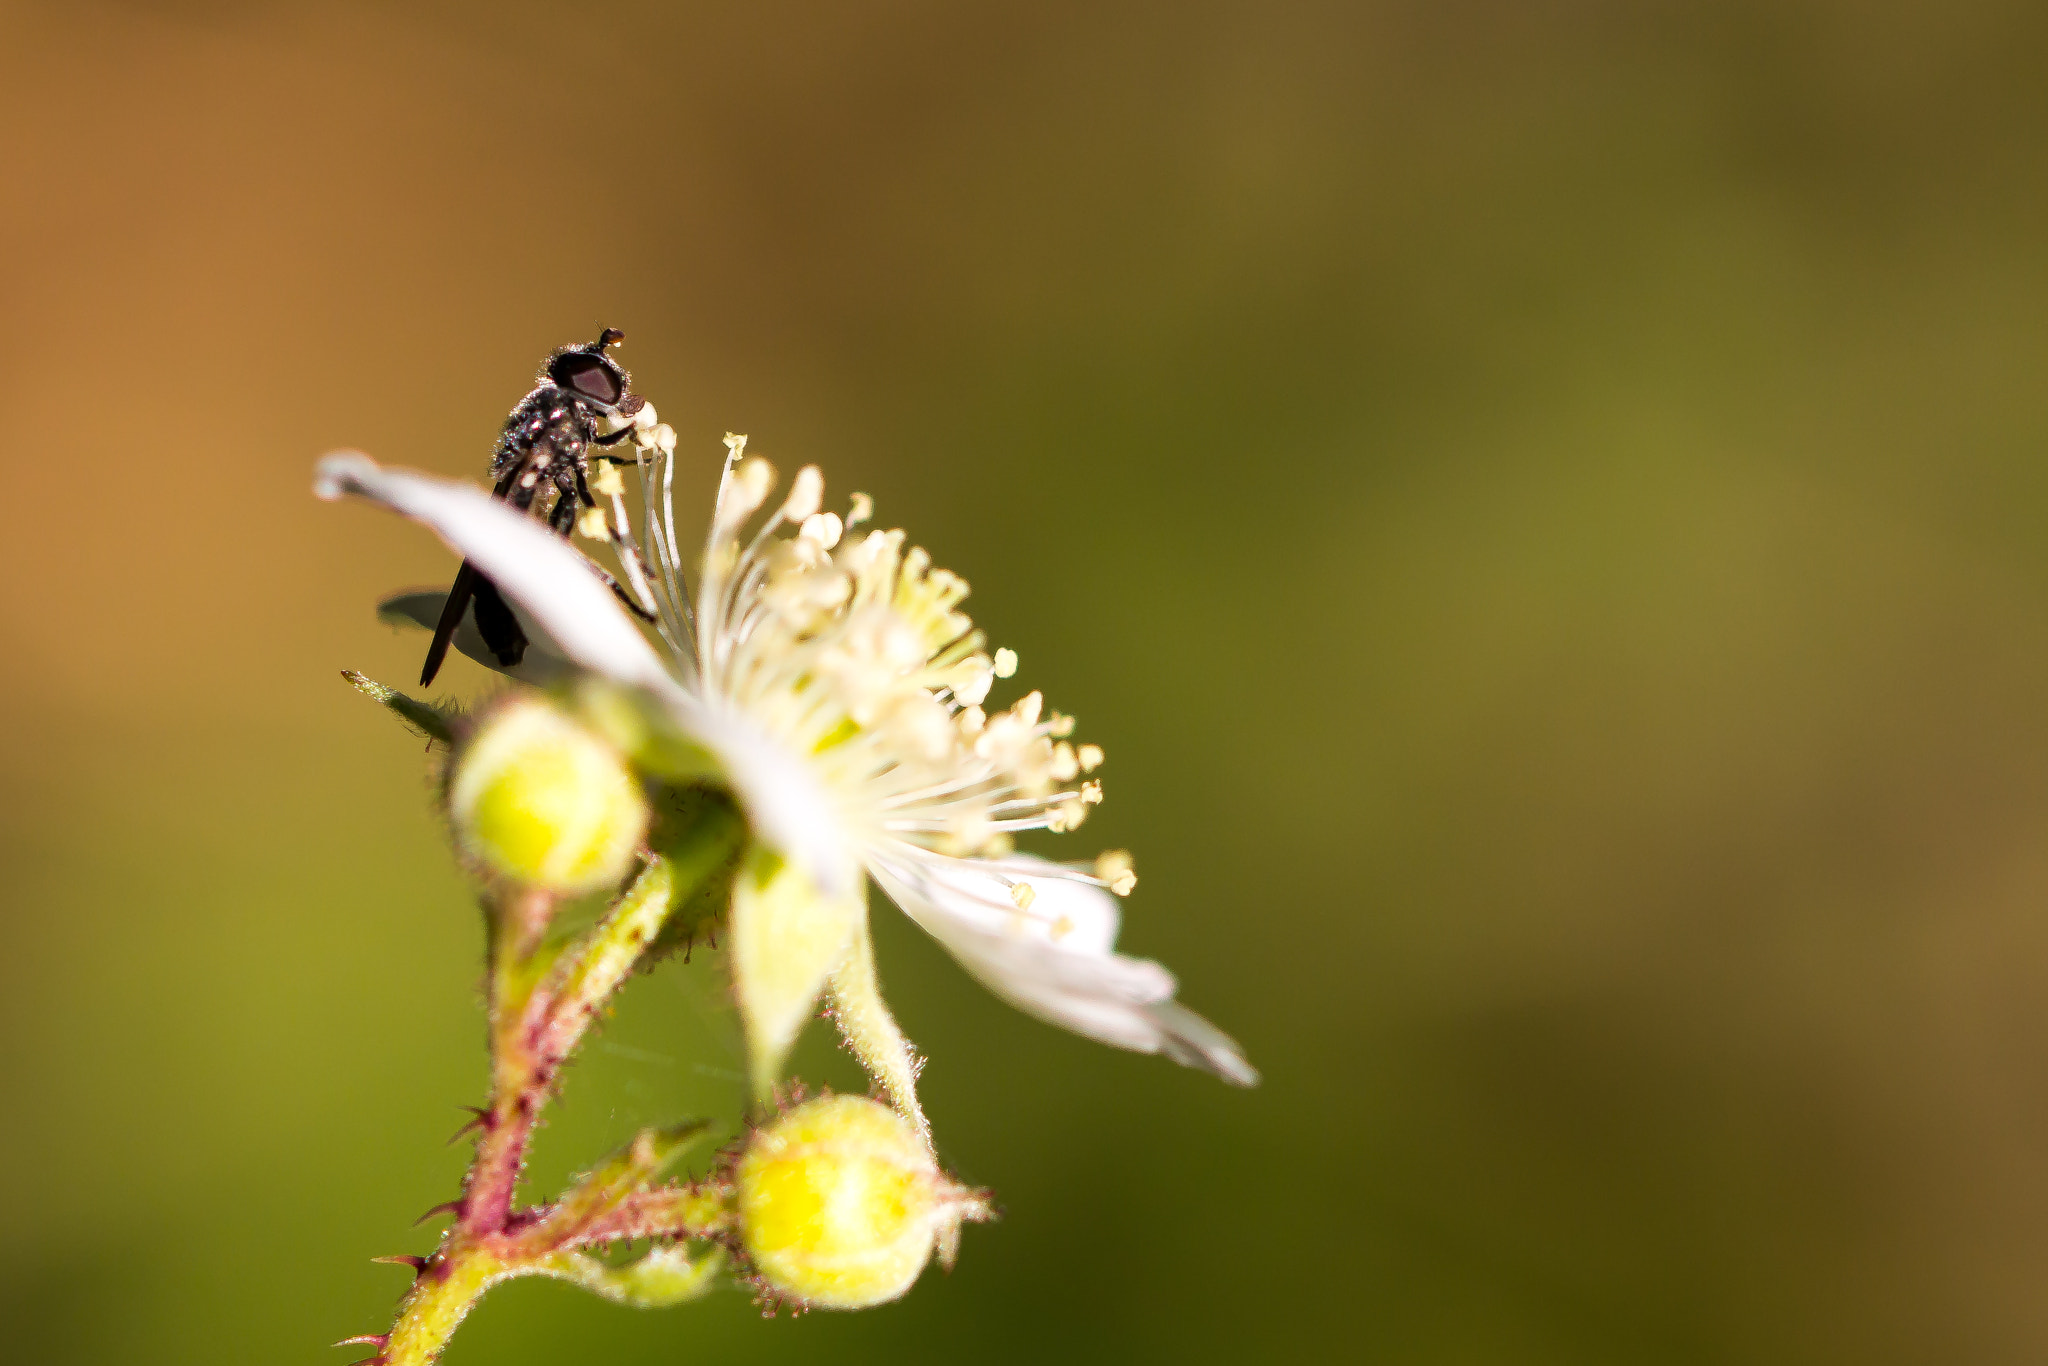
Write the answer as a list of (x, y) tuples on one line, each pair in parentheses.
[(840, 1204), (543, 801)]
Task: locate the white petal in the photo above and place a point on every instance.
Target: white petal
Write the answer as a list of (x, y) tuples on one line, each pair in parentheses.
[(532, 566), (1055, 960), (787, 938), (543, 663), (1062, 942), (871, 1031), (1192, 1041), (788, 807)]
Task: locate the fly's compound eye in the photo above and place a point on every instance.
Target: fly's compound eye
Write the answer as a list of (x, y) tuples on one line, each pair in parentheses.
[(593, 377)]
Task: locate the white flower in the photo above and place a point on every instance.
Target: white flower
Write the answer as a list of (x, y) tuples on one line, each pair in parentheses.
[(832, 677)]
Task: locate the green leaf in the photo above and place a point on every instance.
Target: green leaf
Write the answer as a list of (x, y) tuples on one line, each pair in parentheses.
[(421, 718)]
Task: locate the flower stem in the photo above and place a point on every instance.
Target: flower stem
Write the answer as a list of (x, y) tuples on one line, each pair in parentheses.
[(543, 996)]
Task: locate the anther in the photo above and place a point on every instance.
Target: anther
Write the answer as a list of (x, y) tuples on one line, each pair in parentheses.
[(1006, 663), (1114, 867), (754, 477), (823, 529), (1023, 894), (1091, 757), (806, 492)]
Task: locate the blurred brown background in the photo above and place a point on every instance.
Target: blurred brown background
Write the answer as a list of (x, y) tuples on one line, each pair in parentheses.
[(1545, 506)]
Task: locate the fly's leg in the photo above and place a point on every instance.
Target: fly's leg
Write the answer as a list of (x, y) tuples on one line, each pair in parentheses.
[(562, 519), (630, 558)]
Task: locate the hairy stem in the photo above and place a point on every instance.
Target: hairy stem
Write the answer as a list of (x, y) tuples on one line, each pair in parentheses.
[(543, 997)]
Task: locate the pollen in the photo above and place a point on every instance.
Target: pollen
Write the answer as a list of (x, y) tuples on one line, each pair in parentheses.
[(822, 529), (593, 526), (806, 491), (605, 479), (847, 646), (1115, 870), (1023, 894)]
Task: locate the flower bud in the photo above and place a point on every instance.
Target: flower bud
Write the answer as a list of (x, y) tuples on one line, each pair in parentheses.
[(545, 802), (840, 1204)]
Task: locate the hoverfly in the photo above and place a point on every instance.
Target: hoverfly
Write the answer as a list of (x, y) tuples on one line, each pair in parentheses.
[(545, 448)]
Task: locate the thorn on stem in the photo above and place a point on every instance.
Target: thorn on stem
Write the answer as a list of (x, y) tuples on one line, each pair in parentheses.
[(481, 1119), (445, 1207), (418, 1264), (378, 1340)]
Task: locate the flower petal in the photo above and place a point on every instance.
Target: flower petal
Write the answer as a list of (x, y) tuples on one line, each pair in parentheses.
[(787, 938), (871, 1031), (1192, 1041), (543, 664), (531, 565), (785, 803), (1053, 959)]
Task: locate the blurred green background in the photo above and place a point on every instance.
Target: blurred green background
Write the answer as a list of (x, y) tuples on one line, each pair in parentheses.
[(1544, 505)]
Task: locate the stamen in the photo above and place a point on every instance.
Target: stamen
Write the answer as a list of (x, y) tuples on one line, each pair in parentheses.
[(1065, 765), (823, 529), (1115, 869), (806, 492)]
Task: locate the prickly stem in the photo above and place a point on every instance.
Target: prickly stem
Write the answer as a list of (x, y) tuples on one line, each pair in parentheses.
[(543, 996)]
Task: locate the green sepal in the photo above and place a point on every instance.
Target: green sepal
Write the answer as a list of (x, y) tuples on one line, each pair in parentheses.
[(664, 1276), (630, 1170), (421, 718), (701, 831)]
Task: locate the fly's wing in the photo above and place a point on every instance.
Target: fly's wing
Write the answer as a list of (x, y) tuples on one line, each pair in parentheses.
[(459, 594), (541, 661), (503, 636)]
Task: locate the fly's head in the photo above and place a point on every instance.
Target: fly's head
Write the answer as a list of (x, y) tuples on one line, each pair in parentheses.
[(593, 376)]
